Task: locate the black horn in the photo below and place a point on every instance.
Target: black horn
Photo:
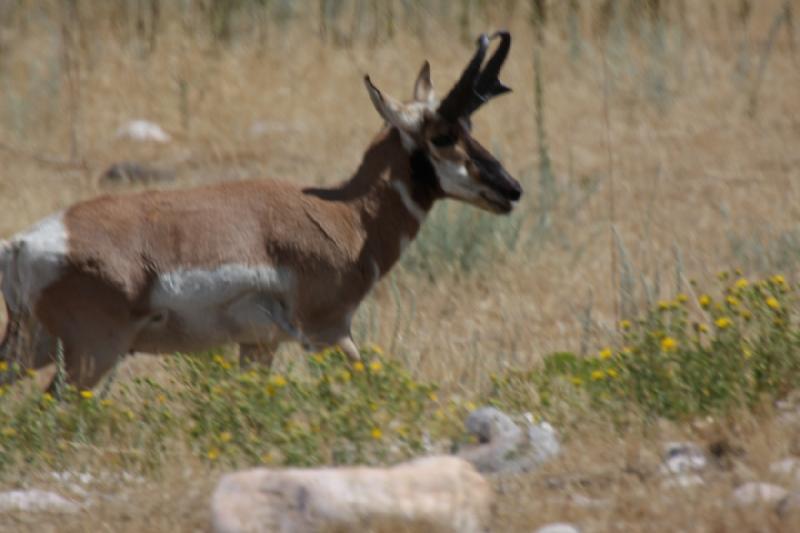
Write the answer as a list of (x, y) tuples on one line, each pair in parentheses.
[(476, 87)]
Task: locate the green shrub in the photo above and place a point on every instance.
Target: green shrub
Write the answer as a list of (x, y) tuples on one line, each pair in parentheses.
[(682, 359), (340, 413)]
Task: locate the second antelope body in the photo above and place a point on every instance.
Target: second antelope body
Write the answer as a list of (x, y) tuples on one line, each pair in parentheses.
[(254, 262)]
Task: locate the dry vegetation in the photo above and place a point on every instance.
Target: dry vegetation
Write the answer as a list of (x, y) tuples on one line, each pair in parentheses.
[(655, 147)]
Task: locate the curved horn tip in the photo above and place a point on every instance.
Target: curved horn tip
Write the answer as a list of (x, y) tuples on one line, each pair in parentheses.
[(483, 40)]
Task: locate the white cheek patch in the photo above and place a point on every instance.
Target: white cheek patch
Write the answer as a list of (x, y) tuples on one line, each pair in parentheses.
[(32, 260), (411, 206), (454, 179), (228, 302)]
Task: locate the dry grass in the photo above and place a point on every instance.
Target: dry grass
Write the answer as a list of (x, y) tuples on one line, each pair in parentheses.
[(692, 172)]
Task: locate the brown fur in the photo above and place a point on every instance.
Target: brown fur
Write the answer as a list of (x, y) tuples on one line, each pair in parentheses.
[(328, 237)]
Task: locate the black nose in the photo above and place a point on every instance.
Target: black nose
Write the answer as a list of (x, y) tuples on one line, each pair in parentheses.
[(514, 190)]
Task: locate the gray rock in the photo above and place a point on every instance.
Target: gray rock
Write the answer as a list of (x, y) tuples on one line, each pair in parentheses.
[(504, 446), (559, 527), (444, 493), (683, 457), (127, 172), (35, 500), (756, 492)]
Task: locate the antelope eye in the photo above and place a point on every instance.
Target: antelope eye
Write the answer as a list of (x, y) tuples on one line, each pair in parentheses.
[(443, 140)]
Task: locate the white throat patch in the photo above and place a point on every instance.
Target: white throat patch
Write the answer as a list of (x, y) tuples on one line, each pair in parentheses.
[(454, 179)]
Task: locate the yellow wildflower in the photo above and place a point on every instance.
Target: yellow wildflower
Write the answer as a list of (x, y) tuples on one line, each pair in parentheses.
[(470, 406), (778, 279), (576, 381), (598, 375), (627, 350), (221, 361), (433, 397), (723, 322), (741, 283), (732, 301), (374, 348), (773, 303), (106, 402), (3, 366), (277, 380), (376, 433), (704, 301), (663, 305), (668, 344), (87, 394), (605, 353), (747, 352), (8, 431), (47, 397), (744, 313), (612, 373), (30, 372), (344, 375), (225, 436), (625, 325), (213, 454), (702, 328), (358, 366), (375, 366), (682, 298)]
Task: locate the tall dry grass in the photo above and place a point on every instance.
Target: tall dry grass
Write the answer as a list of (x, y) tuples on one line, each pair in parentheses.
[(657, 143)]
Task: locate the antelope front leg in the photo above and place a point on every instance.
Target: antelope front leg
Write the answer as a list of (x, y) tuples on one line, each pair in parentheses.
[(349, 348)]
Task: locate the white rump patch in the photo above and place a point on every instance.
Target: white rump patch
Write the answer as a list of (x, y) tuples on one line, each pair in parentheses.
[(411, 206), (32, 260), (232, 302)]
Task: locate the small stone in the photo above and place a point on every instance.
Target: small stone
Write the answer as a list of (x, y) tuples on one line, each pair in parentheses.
[(142, 130), (756, 492), (127, 172), (683, 457), (35, 500), (504, 446), (559, 527)]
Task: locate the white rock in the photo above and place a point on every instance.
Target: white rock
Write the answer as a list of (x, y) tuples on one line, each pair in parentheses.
[(559, 527), (440, 493), (35, 500), (754, 492), (142, 130), (683, 457)]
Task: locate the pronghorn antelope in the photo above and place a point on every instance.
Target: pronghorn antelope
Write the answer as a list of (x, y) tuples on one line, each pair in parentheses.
[(253, 262)]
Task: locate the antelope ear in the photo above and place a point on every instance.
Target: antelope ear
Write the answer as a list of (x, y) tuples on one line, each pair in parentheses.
[(392, 111), (423, 87)]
